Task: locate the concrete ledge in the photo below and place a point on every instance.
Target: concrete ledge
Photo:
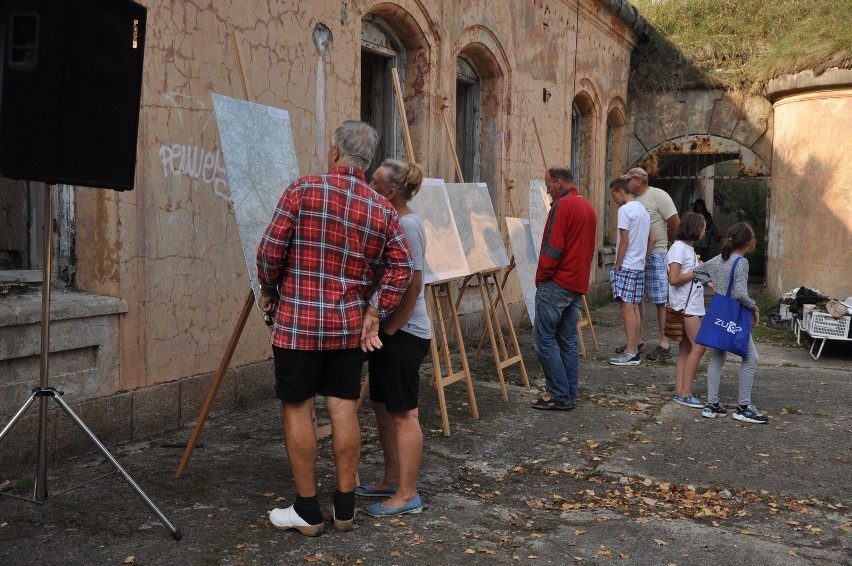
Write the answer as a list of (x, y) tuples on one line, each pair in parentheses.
[(807, 81), (25, 308)]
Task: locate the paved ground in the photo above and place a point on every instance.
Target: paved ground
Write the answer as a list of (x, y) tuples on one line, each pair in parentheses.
[(627, 476)]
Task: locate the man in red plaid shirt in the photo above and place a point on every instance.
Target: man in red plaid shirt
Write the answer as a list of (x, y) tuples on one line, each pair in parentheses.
[(316, 264)]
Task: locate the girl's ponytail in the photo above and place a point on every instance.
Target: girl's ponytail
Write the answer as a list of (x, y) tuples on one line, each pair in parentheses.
[(738, 236)]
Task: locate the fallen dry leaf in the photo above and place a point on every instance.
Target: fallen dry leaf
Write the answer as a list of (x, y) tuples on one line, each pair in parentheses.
[(130, 560), (661, 542)]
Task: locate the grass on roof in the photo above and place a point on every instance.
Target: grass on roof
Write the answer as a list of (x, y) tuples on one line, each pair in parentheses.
[(739, 44)]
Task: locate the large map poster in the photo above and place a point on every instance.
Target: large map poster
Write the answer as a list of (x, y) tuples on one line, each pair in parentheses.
[(526, 260), (478, 229), (539, 209), (260, 156), (444, 253)]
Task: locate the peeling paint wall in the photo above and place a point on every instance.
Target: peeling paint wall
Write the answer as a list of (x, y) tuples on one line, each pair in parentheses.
[(170, 248)]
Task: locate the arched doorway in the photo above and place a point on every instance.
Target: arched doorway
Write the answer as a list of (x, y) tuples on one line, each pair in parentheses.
[(732, 180)]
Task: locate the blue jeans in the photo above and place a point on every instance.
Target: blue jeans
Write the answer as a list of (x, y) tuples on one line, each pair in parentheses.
[(555, 339)]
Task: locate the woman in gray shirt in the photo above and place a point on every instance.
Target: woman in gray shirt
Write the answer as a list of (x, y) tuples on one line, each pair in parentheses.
[(738, 241), (395, 368)]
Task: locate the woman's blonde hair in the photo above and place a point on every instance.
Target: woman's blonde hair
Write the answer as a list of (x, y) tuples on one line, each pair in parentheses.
[(405, 175)]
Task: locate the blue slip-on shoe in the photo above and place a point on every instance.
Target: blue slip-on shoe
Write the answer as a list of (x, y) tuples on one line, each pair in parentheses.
[(413, 506), (370, 491)]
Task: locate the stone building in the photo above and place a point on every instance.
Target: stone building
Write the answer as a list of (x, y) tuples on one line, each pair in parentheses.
[(155, 277)]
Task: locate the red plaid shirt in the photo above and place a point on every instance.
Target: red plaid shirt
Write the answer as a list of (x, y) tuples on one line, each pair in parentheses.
[(327, 236)]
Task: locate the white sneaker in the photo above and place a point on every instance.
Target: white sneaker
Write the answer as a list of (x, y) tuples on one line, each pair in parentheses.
[(285, 519)]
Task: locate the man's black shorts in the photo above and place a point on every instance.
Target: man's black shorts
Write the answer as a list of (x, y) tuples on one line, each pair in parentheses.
[(395, 371), (302, 374)]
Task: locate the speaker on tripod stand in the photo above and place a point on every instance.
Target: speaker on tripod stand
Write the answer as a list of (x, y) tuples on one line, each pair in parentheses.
[(70, 89)]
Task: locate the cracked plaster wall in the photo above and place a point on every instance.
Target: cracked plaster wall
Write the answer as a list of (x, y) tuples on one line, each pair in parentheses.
[(170, 248)]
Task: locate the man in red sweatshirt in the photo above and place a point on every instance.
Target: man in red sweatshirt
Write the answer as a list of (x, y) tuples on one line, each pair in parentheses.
[(562, 279)]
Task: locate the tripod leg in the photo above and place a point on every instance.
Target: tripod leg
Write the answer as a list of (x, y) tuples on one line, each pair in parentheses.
[(17, 416), (176, 534)]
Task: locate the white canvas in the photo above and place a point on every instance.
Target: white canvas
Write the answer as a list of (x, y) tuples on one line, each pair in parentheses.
[(526, 260), (260, 156), (539, 209), (445, 258), (477, 224)]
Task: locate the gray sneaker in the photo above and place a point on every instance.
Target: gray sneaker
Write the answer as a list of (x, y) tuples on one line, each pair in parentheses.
[(625, 359)]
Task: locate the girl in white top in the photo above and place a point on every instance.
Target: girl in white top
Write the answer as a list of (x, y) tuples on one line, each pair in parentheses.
[(687, 294)]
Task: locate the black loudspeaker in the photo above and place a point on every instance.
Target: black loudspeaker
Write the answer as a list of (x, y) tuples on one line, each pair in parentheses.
[(70, 87)]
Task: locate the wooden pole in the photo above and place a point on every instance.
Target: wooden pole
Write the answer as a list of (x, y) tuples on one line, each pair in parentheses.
[(406, 135), (240, 65), (451, 140), (540, 146)]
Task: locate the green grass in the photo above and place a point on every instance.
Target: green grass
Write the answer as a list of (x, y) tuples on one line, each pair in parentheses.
[(739, 44), (762, 333)]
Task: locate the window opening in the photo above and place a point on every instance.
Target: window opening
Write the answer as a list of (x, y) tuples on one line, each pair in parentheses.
[(468, 119), (381, 52)]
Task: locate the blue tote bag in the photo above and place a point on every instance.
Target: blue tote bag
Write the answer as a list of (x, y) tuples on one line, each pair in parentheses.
[(727, 324)]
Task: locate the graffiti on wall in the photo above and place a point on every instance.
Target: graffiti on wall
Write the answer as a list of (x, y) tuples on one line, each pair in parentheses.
[(190, 160)]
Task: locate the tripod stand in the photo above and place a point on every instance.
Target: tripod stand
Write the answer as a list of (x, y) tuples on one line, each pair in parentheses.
[(43, 392)]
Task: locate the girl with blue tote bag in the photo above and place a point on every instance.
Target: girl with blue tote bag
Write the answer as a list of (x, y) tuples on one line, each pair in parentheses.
[(727, 325)]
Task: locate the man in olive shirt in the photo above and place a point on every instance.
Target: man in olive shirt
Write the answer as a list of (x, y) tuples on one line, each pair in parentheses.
[(664, 223)]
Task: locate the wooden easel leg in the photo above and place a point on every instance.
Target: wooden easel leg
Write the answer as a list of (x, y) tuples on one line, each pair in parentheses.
[(437, 372), (591, 326), (580, 325), (501, 299), (487, 316), (474, 410), (217, 381)]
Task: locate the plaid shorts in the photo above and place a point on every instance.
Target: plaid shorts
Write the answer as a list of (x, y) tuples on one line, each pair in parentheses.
[(657, 279), (628, 285)]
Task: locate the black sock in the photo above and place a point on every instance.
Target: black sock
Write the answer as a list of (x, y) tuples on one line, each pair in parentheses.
[(344, 505), (743, 407), (308, 509)]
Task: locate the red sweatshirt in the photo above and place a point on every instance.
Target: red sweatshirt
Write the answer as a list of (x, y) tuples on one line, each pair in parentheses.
[(568, 244)]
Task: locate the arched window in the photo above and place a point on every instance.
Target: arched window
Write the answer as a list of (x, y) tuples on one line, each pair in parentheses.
[(381, 51), (468, 119)]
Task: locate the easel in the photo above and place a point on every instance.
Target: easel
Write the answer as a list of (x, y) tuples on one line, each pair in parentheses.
[(585, 315), (509, 186), (490, 312), (320, 432)]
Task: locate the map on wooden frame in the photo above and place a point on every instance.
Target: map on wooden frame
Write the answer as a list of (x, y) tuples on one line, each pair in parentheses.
[(526, 260), (445, 258), (260, 156), (480, 234), (539, 209)]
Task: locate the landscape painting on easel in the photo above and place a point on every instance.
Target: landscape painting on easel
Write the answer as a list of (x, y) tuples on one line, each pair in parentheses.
[(539, 209), (480, 234), (445, 258), (260, 156), (526, 260)]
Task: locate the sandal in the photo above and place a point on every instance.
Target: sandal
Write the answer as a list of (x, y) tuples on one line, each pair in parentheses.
[(551, 405)]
